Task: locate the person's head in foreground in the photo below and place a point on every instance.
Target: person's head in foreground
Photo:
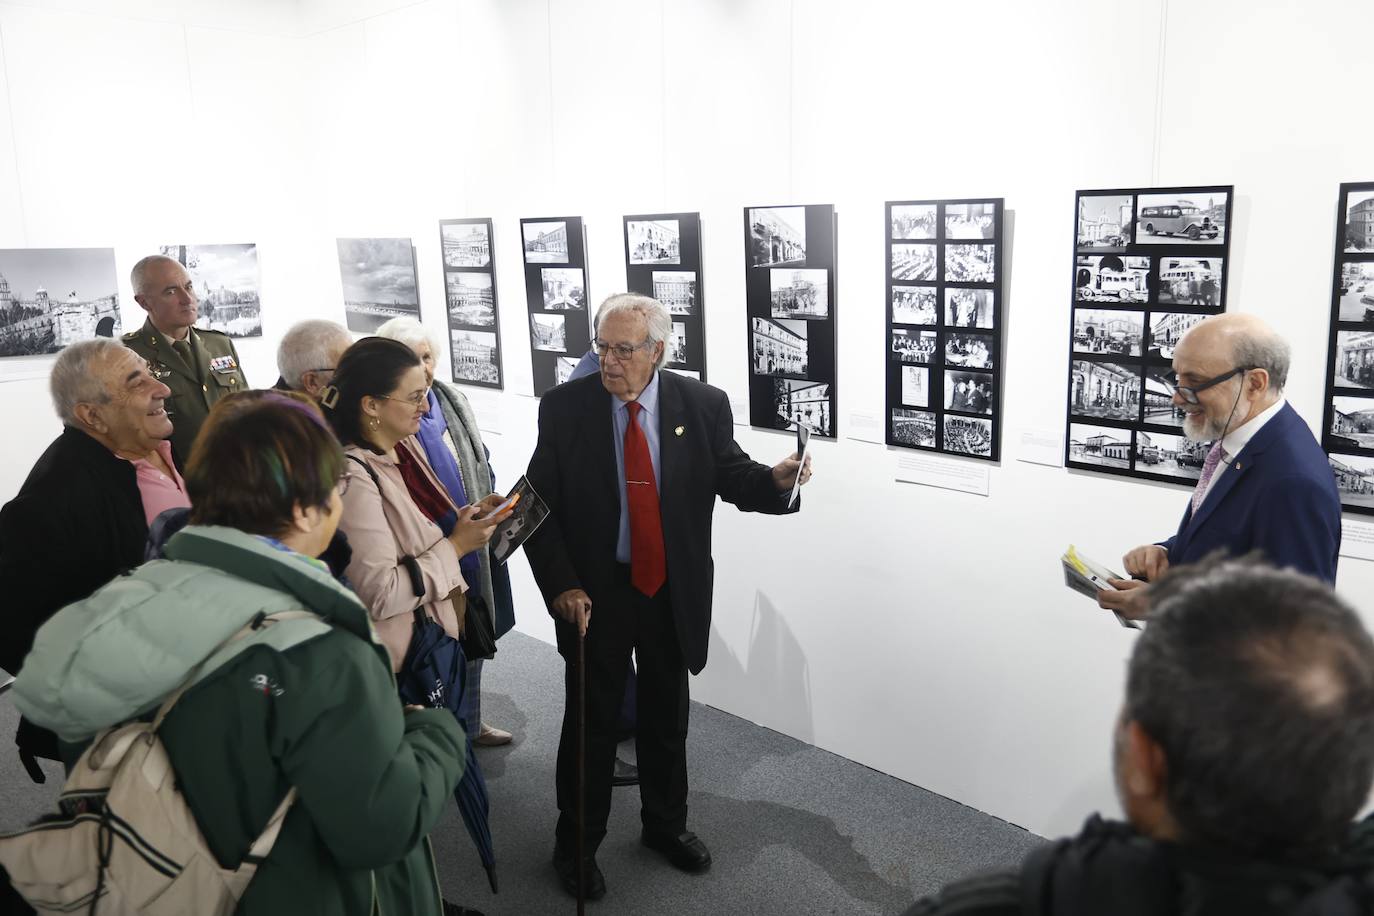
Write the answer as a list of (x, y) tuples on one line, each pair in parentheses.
[(1229, 369)]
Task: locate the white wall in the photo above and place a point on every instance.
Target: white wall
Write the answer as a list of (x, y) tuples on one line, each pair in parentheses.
[(923, 632)]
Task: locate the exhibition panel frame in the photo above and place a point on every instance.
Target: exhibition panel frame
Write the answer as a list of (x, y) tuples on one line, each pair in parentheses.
[(471, 303), (663, 260), (555, 253)]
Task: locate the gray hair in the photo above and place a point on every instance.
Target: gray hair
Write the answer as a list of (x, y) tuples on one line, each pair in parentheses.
[(650, 309), (74, 379), (138, 275), (410, 332), (307, 346), (1265, 350)]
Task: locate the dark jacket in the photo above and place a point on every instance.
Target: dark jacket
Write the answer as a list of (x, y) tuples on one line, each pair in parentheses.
[(77, 523), (1110, 870)]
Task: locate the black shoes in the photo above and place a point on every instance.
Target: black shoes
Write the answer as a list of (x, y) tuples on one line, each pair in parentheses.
[(684, 851), (625, 774), (565, 863)]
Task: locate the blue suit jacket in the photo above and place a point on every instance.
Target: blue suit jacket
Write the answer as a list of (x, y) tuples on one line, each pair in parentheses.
[(1278, 496)]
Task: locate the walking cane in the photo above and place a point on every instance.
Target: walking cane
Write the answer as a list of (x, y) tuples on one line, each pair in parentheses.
[(581, 770)]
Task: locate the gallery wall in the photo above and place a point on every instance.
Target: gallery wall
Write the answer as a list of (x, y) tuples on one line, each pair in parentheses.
[(921, 631)]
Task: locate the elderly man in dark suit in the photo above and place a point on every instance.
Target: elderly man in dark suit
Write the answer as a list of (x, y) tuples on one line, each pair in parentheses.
[(631, 463), (1265, 484)]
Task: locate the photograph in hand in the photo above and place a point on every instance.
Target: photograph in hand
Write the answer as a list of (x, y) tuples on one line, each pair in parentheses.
[(528, 511)]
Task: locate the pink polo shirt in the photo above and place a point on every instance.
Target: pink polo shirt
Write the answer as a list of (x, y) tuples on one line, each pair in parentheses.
[(158, 491)]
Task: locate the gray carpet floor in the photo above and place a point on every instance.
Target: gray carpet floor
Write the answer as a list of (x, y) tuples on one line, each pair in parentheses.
[(792, 829)]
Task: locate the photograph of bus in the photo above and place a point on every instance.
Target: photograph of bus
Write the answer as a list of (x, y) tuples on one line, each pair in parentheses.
[(1111, 278), (1169, 219), (1190, 281)]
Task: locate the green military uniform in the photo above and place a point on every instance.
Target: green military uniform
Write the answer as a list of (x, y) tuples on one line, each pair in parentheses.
[(212, 372)]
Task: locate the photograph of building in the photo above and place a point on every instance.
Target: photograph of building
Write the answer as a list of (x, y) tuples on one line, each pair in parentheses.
[(777, 235), (471, 299), (548, 332), (1354, 479), (970, 221), (546, 243), (227, 283), (1357, 292), (654, 241), (1173, 456), (1190, 281), (1104, 390), (913, 427), (1359, 222), (1101, 445), (970, 263), (677, 290), (1104, 220), (912, 346), (779, 347), (564, 289), (1166, 328), (913, 221), (563, 369), (1111, 278), (970, 392), (915, 386), (1107, 331), (913, 262), (968, 435), (1174, 219), (677, 344), (1352, 422), (968, 308), (1354, 359), (972, 351), (803, 403), (1159, 398), (914, 305), (474, 357), (378, 282), (799, 293), (466, 244), (51, 297)]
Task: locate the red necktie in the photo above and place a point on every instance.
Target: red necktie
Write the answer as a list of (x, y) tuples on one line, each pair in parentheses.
[(648, 567)]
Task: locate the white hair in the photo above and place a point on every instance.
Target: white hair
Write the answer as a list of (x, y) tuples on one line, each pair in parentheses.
[(74, 379), (650, 309), (138, 275), (310, 345), (410, 332)]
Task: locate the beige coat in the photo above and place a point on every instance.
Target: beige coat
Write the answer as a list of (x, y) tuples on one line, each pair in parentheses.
[(382, 527)]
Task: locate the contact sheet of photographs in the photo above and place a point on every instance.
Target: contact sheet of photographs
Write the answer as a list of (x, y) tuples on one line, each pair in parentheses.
[(1149, 263), (789, 290), (474, 327), (1348, 425), (944, 325), (556, 295), (663, 260)]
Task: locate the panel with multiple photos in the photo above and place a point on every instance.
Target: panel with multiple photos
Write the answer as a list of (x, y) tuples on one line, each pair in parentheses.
[(1149, 263), (556, 295), (1348, 424), (474, 326), (789, 291), (944, 325), (663, 260)]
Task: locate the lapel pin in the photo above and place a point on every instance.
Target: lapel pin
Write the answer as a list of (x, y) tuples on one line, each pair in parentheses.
[(680, 430)]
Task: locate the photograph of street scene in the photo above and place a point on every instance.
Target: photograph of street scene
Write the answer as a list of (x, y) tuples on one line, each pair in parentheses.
[(779, 347), (474, 357), (1104, 390), (1159, 398), (1173, 456), (1104, 221), (546, 243), (1180, 219), (564, 288), (799, 293), (802, 403), (1352, 423), (1359, 222), (1357, 292), (1354, 359), (1354, 479), (466, 244), (777, 235), (1166, 328), (653, 241), (677, 290), (471, 299), (1106, 446), (1107, 331)]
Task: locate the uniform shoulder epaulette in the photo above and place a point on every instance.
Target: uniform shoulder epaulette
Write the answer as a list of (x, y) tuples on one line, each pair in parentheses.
[(204, 331)]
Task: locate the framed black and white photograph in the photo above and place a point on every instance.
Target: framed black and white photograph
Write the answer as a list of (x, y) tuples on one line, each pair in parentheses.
[(228, 284), (466, 243), (474, 355), (790, 304), (952, 286), (1148, 265), (555, 296), (378, 282), (1354, 362), (1352, 423), (1355, 481), (1355, 304), (546, 242), (563, 368), (51, 297), (470, 293), (549, 333), (564, 289), (674, 239), (1357, 234)]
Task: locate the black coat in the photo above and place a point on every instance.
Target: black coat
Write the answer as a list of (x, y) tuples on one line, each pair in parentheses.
[(574, 470)]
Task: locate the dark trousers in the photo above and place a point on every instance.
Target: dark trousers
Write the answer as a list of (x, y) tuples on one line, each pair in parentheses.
[(622, 621)]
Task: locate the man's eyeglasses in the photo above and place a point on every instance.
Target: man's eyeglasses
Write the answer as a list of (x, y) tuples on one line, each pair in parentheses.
[(622, 351), (1189, 392)]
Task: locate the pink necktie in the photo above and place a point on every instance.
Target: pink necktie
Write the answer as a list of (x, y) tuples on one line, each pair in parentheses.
[(1209, 467)]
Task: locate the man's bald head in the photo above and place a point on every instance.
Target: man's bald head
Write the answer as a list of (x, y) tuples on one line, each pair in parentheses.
[(153, 264), (1238, 339)]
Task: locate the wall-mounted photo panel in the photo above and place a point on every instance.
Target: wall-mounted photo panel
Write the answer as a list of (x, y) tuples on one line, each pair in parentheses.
[(227, 283), (378, 282), (789, 286), (51, 297), (470, 290), (1148, 264), (944, 292), (1348, 424), (555, 250), (663, 260)]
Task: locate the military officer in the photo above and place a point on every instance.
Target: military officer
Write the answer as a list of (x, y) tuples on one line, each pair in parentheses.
[(200, 366)]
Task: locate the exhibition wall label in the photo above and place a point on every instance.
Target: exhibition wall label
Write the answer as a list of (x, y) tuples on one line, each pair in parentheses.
[(227, 283), (789, 286), (556, 296), (1348, 423), (474, 327), (663, 260), (378, 282), (1148, 264), (943, 341)]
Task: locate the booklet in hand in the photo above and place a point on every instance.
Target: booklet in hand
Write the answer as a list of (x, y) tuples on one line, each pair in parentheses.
[(528, 512), (803, 443), (1088, 578)]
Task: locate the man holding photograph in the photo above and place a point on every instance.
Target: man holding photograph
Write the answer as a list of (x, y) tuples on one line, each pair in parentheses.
[(1265, 485), (630, 464)]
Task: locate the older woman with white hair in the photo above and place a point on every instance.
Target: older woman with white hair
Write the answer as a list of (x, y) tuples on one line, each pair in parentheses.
[(453, 446)]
